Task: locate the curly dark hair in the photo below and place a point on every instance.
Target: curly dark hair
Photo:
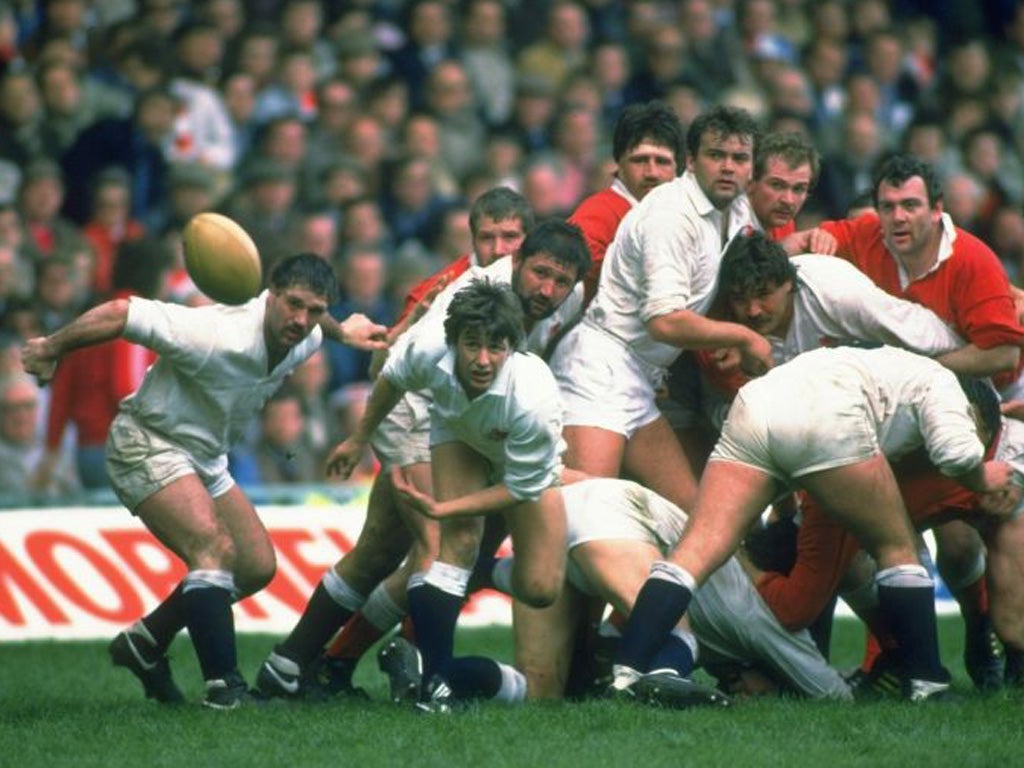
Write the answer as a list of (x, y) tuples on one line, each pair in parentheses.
[(751, 264)]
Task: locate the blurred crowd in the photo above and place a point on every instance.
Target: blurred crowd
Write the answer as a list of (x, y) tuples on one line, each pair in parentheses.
[(362, 130)]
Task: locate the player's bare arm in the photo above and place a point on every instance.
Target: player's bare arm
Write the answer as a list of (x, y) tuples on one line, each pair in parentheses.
[(689, 330), (488, 501), (419, 309), (356, 330), (102, 323), (344, 457), (971, 360)]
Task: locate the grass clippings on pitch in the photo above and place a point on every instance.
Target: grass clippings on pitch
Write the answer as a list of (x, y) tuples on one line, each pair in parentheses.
[(62, 704)]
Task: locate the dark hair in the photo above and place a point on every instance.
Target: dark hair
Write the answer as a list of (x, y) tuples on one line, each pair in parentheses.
[(561, 241), (139, 265), (983, 396), (752, 263), (501, 204), (722, 121), (492, 308), (655, 121), (795, 150), (899, 169), (307, 270)]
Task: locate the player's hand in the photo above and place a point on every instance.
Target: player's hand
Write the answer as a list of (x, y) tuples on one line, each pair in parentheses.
[(1013, 409), (1001, 503), (820, 241), (727, 359), (359, 331), (344, 457), (38, 360), (422, 502), (418, 310), (756, 356), (997, 492), (1018, 302)]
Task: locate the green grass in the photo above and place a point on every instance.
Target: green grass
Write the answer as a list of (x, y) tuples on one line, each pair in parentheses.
[(62, 704)]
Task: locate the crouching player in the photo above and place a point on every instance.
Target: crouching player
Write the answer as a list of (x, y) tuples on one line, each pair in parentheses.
[(167, 450), (783, 428), (496, 447), (615, 530)]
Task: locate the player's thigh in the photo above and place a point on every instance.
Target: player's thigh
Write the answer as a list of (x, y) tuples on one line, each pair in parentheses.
[(959, 552), (458, 470), (615, 569), (425, 534), (655, 458), (544, 643), (183, 518), (730, 497), (594, 450), (865, 499), (538, 533)]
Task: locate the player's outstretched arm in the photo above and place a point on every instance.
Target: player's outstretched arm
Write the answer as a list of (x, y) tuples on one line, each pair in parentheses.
[(356, 330), (102, 323), (344, 457)]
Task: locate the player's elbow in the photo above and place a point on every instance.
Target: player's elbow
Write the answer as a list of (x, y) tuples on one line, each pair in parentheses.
[(660, 329), (1009, 358)]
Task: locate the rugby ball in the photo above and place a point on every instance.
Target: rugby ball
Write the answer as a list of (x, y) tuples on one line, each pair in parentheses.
[(221, 258)]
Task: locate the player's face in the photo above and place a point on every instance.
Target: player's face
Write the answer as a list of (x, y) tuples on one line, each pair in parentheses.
[(722, 166), (909, 224), (645, 166), (494, 239), (542, 283), (478, 358), (767, 311), (291, 314), (780, 193)]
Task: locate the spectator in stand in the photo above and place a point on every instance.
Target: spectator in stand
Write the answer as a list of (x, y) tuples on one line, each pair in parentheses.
[(562, 48), (421, 137), (293, 90), (318, 233), (61, 290), (362, 223), (387, 99), (825, 61), (67, 112), (39, 203), (238, 91), (110, 225), (280, 453), (429, 28), (309, 382), (134, 144), (200, 49), (21, 450), (542, 188), (302, 26), (363, 277), (450, 99), (342, 181), (411, 205), (91, 382), (485, 55), (664, 62), (360, 60), (227, 15), (192, 190), (336, 105), (256, 54), (21, 117), (364, 142), (847, 172), (266, 208)]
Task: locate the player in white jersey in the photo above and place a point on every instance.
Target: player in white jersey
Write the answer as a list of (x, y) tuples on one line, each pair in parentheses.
[(656, 286), (465, 442), (363, 591), (781, 430), (167, 450)]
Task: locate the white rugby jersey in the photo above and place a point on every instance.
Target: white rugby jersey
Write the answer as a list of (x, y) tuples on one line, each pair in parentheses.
[(913, 400), (1010, 449), (516, 424), (664, 258), (211, 376), (835, 303)]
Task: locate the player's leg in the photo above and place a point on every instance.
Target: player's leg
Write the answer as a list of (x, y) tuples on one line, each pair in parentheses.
[(730, 497), (435, 600), (655, 458), (960, 560), (1005, 541), (594, 450), (340, 593), (544, 642), (186, 520), (865, 499)]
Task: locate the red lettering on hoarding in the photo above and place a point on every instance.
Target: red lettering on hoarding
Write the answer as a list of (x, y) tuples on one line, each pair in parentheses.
[(12, 573), (42, 547), (130, 546)]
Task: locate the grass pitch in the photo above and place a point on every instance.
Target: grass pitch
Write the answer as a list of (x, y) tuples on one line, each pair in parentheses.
[(62, 704)]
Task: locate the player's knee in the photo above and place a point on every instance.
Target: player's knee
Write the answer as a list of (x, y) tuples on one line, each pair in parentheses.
[(255, 571), (536, 591)]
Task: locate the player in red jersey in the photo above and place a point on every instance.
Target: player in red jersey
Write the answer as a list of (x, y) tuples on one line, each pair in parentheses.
[(647, 146)]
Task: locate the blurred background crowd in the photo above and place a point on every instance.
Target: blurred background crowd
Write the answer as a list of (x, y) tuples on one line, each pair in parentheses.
[(363, 130)]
